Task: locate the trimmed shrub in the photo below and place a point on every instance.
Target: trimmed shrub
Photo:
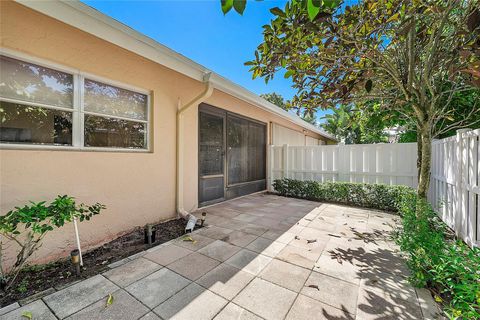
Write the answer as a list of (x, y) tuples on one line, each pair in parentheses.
[(447, 267), (377, 196)]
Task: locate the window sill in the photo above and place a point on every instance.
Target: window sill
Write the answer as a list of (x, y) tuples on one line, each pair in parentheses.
[(7, 146)]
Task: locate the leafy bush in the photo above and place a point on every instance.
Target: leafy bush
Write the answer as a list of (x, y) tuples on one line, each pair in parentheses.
[(449, 268), (27, 226), (378, 196)]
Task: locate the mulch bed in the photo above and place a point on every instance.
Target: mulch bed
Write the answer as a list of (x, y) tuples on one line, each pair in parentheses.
[(38, 278)]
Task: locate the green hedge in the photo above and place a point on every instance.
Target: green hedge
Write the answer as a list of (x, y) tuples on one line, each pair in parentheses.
[(377, 196), (449, 268)]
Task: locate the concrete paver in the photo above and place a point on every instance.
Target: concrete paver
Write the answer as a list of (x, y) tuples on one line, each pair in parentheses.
[(124, 306), (193, 266), (72, 299), (260, 257), (232, 311), (38, 309), (225, 280), (285, 275), (131, 271), (165, 255), (219, 250), (157, 287), (193, 302), (266, 299)]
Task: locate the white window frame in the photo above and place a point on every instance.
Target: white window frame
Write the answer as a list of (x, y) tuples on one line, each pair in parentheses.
[(77, 110)]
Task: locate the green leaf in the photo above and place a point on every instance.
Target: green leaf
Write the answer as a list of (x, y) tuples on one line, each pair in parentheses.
[(109, 300), (331, 3), (278, 12), (27, 315), (239, 5), (312, 9), (368, 85), (393, 18), (288, 74), (189, 239), (226, 5)]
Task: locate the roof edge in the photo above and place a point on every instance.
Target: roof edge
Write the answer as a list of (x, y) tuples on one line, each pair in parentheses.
[(244, 94), (90, 20)]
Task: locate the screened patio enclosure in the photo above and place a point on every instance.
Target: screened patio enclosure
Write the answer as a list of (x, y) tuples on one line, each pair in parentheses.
[(232, 155)]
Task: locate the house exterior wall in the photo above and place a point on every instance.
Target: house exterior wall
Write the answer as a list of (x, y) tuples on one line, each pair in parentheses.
[(292, 136), (136, 187), (309, 141)]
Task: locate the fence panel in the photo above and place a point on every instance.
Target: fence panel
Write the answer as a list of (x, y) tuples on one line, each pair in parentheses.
[(369, 163), (454, 190), (455, 173)]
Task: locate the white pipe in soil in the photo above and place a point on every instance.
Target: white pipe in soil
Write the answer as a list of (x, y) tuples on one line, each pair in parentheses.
[(207, 92), (77, 237)]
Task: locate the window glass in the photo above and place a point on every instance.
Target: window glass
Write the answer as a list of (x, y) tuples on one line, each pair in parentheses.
[(35, 103), (114, 133), (34, 125), (113, 101), (29, 82)]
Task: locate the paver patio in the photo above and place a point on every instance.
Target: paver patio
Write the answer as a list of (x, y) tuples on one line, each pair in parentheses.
[(259, 257)]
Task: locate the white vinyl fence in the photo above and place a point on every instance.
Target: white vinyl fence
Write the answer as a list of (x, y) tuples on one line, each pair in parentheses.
[(370, 163), (454, 189)]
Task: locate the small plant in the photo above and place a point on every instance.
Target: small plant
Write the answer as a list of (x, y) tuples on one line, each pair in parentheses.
[(27, 226), (23, 286)]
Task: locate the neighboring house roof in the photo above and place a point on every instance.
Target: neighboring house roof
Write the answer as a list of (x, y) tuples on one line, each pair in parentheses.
[(90, 20)]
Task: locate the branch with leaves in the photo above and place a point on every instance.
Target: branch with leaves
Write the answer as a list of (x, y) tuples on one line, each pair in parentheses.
[(27, 226), (409, 56)]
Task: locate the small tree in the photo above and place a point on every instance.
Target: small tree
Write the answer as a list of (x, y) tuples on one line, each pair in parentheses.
[(27, 226), (276, 99), (343, 125), (412, 56)]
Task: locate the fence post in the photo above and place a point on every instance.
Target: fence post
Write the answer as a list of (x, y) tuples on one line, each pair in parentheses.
[(270, 163), (460, 218), (342, 169), (285, 161)]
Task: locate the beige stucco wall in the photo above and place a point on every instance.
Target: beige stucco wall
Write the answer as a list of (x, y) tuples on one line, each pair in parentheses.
[(282, 135), (137, 188)]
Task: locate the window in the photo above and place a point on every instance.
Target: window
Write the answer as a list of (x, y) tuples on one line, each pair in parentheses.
[(114, 117), (44, 106), (36, 104)]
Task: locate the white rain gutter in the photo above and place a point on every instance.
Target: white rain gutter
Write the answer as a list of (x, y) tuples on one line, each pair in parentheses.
[(205, 94)]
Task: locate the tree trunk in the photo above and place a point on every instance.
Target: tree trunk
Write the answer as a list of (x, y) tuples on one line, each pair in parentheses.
[(425, 161), (419, 152)]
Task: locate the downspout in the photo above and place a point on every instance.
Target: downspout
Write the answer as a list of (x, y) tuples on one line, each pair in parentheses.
[(207, 92)]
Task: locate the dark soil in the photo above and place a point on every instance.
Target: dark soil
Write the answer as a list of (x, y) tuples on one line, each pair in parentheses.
[(37, 278)]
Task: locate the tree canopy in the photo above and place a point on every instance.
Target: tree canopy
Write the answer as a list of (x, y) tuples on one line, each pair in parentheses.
[(352, 125), (411, 57), (276, 99)]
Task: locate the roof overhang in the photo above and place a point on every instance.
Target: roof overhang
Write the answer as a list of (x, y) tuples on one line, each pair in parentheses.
[(90, 20)]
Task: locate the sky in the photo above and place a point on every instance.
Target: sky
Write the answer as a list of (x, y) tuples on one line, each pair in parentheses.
[(199, 30)]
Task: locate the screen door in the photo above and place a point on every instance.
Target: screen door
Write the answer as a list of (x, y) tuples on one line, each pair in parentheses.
[(211, 157)]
